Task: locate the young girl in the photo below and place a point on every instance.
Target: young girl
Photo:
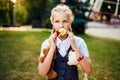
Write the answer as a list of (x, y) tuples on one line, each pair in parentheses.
[(62, 17)]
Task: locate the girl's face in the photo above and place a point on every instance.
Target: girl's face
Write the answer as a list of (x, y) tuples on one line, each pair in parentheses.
[(61, 20)]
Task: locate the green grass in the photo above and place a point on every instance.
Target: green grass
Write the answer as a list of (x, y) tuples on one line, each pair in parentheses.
[(19, 52)]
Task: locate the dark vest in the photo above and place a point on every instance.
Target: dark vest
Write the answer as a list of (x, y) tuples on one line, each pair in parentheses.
[(64, 71)]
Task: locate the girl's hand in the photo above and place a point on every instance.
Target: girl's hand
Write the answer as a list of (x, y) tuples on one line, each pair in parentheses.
[(52, 40), (72, 40)]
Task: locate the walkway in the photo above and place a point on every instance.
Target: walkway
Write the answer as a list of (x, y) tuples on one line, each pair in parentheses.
[(102, 30), (23, 28)]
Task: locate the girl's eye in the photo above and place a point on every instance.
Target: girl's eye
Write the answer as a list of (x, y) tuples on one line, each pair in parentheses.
[(56, 21), (65, 21)]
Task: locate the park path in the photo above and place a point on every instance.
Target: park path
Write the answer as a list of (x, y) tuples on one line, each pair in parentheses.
[(103, 30), (22, 28)]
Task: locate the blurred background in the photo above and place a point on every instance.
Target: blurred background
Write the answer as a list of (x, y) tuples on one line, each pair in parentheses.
[(36, 13)]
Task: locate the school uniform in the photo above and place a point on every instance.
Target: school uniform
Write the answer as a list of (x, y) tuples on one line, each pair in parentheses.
[(65, 71)]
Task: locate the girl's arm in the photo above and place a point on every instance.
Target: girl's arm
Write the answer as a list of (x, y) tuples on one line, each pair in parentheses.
[(44, 67), (85, 63)]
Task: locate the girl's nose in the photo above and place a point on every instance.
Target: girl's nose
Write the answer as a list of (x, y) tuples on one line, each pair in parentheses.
[(61, 25)]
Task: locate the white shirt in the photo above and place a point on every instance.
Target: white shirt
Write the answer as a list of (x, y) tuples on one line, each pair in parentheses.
[(64, 45)]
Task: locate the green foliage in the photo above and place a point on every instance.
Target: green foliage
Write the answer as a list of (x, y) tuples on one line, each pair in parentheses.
[(33, 8), (19, 52), (4, 16), (26, 11), (3, 5), (20, 14)]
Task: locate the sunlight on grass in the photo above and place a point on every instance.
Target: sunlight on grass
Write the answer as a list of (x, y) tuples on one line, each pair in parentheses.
[(19, 52), (105, 58)]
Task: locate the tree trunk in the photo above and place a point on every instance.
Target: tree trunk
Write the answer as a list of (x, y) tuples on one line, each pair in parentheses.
[(11, 13), (42, 13)]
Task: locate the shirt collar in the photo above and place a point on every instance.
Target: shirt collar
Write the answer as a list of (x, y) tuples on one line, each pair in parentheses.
[(66, 41)]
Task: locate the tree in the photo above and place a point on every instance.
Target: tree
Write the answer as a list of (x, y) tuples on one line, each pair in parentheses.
[(20, 13), (42, 13), (37, 12), (26, 12), (4, 12)]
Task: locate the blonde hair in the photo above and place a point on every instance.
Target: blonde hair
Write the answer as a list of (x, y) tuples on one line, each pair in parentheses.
[(62, 8)]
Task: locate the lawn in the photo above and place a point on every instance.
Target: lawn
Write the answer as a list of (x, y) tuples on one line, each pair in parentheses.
[(19, 52)]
